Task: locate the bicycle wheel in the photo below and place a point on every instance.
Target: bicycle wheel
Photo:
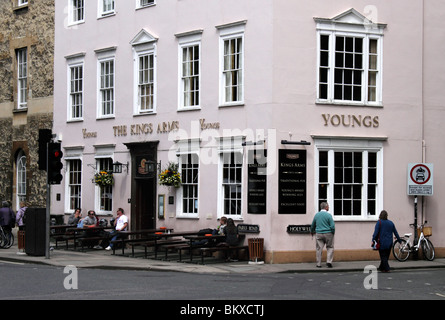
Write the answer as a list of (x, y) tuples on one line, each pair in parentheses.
[(401, 250), (428, 250)]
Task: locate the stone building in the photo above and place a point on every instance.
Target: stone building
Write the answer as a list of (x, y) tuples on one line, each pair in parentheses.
[(26, 96)]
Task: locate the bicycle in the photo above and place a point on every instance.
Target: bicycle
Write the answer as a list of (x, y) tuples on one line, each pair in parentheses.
[(6, 238), (401, 250)]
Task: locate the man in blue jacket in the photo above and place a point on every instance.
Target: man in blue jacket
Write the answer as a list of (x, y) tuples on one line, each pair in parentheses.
[(324, 228)]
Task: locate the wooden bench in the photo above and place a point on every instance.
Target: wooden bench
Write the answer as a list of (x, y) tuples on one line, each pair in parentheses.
[(166, 244), (222, 248)]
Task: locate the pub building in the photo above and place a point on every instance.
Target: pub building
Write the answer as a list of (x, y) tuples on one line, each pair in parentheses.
[(266, 109)]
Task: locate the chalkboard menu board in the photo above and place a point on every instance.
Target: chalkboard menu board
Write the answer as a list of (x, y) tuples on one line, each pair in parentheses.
[(292, 181), (257, 181)]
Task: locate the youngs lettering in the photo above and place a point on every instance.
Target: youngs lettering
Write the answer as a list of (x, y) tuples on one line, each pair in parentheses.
[(348, 120)]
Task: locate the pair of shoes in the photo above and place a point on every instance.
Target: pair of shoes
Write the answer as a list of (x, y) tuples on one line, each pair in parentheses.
[(108, 248), (329, 265)]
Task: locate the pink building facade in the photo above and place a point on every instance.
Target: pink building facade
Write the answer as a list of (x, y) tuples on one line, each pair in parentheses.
[(268, 108)]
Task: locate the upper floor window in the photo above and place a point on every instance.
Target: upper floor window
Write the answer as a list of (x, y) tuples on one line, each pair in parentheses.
[(76, 11), (146, 81), (22, 78), (349, 60), (189, 69), (105, 7), (106, 82), (144, 57), (76, 92), (232, 63), (106, 87)]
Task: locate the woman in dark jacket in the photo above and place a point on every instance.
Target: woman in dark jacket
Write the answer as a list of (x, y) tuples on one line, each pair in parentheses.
[(231, 233), (384, 229)]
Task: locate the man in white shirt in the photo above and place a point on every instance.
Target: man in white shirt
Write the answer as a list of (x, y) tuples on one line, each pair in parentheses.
[(121, 224)]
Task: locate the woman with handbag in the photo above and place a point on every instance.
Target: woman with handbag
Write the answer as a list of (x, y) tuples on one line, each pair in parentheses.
[(384, 229)]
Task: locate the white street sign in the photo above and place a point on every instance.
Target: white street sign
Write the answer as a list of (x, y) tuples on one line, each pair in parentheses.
[(420, 179)]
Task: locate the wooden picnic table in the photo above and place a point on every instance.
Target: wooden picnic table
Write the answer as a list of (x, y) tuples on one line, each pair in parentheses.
[(78, 233), (152, 239), (144, 235)]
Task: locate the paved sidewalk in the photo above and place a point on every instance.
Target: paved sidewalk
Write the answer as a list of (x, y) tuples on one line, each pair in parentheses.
[(106, 260)]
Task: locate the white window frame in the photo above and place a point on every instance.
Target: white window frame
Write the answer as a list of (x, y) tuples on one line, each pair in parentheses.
[(22, 2), (142, 44), (364, 145), (148, 3), (228, 146), (22, 77), (78, 95), (105, 12), (350, 24), (73, 11), (99, 191), (189, 40), (105, 56), (186, 147), (230, 32), (21, 180), (70, 185), (151, 82)]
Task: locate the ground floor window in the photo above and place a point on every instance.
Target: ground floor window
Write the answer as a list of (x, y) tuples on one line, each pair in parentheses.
[(349, 179), (189, 177), (232, 164), (75, 183), (105, 193)]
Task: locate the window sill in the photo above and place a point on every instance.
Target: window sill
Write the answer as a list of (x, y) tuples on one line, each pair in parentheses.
[(347, 104), (235, 104), (22, 7), (106, 15), (146, 6), (184, 109), (20, 110)]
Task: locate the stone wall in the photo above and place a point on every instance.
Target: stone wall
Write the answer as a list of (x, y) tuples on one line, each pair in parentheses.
[(31, 26)]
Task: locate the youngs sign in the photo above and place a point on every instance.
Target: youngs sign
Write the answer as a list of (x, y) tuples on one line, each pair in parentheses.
[(349, 120)]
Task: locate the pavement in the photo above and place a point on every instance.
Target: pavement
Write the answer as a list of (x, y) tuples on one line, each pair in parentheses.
[(106, 260)]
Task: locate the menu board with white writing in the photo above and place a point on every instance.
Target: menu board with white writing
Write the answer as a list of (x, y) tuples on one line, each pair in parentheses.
[(292, 181), (257, 181)]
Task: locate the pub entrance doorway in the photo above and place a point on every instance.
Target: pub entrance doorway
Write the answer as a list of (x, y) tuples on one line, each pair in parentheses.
[(143, 184)]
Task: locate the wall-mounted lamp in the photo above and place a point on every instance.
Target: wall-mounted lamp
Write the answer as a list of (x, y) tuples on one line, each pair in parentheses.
[(117, 167), (151, 166), (302, 142)]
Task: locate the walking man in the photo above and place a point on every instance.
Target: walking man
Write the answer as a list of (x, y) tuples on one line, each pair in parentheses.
[(324, 228)]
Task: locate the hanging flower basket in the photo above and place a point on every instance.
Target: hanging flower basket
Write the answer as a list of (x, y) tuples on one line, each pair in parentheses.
[(104, 178), (170, 176)]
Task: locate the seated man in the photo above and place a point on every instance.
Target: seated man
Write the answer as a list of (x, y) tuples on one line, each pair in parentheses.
[(121, 224)]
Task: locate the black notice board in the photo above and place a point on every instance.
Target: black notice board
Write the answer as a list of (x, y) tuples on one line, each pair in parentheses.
[(257, 181), (292, 181)]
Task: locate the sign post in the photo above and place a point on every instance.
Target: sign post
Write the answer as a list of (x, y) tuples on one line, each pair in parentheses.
[(420, 183)]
